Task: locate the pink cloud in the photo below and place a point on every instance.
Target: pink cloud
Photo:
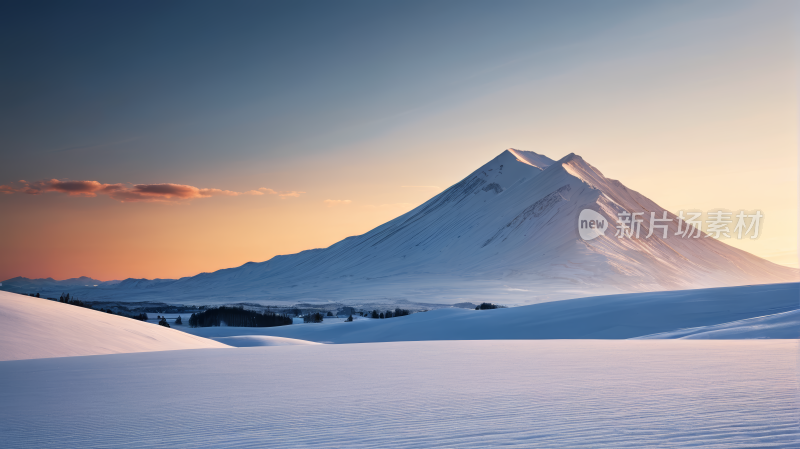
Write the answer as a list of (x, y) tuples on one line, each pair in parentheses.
[(85, 188), (164, 192)]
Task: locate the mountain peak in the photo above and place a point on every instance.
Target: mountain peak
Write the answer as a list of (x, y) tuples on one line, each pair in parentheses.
[(576, 166), (572, 159), (537, 160)]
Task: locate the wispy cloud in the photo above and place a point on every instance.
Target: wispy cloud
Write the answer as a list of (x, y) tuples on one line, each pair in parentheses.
[(333, 203), (283, 194), (165, 192)]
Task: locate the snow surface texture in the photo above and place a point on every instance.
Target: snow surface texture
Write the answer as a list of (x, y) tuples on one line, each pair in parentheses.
[(604, 317), (506, 233), (246, 341), (33, 328), (666, 393), (780, 325)]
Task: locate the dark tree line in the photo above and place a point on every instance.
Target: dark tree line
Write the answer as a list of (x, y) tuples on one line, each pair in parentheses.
[(390, 314), (139, 316), (237, 317), (315, 317), (64, 298)]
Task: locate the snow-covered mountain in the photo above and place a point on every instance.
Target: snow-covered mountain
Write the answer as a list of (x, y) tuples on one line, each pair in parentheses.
[(506, 233)]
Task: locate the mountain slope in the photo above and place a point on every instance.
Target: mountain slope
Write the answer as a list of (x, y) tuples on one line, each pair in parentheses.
[(505, 233)]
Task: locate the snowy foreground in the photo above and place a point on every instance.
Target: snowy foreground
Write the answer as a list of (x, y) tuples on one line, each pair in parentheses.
[(758, 311), (488, 388), (578, 393), (33, 328)]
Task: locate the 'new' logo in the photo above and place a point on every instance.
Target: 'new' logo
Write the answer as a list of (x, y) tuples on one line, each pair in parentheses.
[(591, 224)]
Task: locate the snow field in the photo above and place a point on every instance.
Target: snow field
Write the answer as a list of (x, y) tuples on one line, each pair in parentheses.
[(557, 393)]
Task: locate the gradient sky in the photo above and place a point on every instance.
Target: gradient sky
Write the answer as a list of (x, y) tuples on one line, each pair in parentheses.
[(347, 114)]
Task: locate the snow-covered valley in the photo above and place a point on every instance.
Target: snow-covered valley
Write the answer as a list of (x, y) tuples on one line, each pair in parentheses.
[(768, 311)]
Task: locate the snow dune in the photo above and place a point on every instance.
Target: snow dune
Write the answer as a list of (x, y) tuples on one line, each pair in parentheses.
[(616, 394), (779, 325), (33, 328), (603, 317)]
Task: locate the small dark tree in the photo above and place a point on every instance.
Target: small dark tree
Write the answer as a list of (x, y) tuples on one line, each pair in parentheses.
[(329, 314), (375, 314), (381, 315), (388, 314), (179, 320), (349, 319), (163, 322), (486, 306)]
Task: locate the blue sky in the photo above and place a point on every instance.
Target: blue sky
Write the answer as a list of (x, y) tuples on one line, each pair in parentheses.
[(149, 89)]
